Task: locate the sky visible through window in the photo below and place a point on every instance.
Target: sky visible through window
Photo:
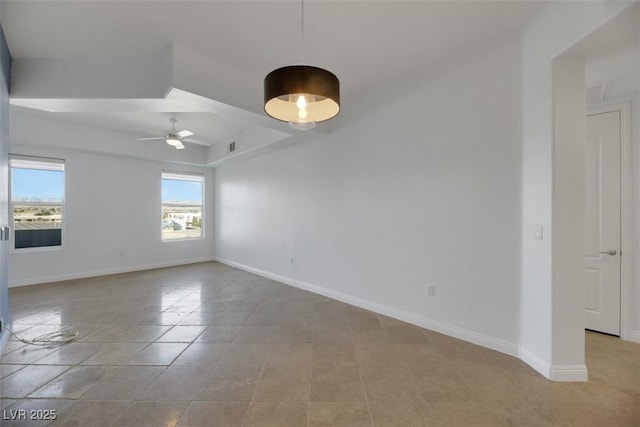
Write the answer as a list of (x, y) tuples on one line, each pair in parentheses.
[(37, 185), (178, 191)]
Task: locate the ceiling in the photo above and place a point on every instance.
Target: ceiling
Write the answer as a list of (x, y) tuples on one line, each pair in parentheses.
[(365, 43), (612, 57)]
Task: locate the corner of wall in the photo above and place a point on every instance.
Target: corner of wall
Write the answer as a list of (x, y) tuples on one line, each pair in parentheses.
[(558, 373), (536, 362)]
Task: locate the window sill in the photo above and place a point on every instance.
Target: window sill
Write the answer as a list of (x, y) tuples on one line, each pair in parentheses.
[(34, 250)]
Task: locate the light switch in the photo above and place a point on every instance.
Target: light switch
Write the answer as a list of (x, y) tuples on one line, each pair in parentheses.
[(538, 232)]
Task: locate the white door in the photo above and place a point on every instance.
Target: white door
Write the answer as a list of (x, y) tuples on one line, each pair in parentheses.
[(602, 240)]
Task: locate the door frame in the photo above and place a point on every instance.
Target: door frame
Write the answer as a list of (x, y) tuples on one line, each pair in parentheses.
[(626, 211)]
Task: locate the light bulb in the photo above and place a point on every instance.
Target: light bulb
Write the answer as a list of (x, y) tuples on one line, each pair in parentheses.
[(301, 103), (302, 121)]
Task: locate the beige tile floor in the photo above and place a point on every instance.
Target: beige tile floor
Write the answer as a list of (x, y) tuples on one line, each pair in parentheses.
[(209, 345)]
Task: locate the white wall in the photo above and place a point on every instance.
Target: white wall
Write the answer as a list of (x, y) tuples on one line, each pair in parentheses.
[(556, 29), (633, 305), (441, 183), (422, 188), (111, 218), (568, 214), (5, 76), (635, 203)]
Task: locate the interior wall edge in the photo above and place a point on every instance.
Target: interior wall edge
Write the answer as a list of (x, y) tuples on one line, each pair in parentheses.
[(5, 81), (536, 362), (106, 272)]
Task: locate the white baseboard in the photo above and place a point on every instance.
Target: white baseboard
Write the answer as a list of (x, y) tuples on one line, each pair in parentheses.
[(569, 373), (634, 336), (424, 322), (106, 272), (536, 362)]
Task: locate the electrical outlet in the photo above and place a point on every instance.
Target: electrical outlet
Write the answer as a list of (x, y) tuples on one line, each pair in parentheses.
[(431, 290)]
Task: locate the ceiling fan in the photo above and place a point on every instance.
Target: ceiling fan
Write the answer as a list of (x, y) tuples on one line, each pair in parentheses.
[(174, 137)]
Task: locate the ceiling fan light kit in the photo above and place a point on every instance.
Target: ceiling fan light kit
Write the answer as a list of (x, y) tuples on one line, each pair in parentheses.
[(301, 95), (174, 137), (174, 142)]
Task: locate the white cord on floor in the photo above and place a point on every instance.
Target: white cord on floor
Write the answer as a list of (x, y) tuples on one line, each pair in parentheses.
[(51, 339)]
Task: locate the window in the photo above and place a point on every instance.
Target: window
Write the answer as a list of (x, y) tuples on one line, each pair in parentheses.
[(182, 206), (37, 198)]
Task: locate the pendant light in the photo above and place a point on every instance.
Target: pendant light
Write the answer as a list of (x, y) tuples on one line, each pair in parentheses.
[(301, 94)]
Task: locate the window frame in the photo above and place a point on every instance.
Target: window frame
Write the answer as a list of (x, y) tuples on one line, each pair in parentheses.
[(189, 177), (37, 163)]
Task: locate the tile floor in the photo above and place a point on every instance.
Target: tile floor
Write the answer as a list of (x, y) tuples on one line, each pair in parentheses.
[(210, 345)]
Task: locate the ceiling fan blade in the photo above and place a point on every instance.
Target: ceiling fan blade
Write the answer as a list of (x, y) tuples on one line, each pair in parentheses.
[(184, 133), (179, 146), (149, 139), (152, 131)]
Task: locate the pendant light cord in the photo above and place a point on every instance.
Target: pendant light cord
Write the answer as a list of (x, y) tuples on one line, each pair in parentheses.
[(301, 31)]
